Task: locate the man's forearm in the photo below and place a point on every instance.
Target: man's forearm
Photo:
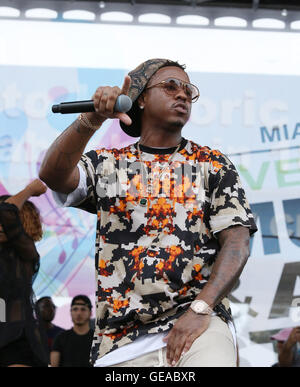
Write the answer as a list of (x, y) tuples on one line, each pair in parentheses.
[(228, 266), (58, 169)]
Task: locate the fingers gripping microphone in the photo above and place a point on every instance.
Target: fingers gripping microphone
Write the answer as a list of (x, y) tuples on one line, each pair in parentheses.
[(123, 105)]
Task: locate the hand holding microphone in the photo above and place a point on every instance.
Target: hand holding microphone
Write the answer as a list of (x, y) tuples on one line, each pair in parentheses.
[(107, 102)]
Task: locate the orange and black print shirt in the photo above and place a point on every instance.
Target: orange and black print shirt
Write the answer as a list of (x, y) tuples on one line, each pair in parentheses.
[(157, 234)]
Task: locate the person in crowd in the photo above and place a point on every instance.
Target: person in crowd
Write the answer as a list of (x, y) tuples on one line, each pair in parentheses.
[(47, 311), (72, 347), (22, 340), (173, 225), (288, 347)]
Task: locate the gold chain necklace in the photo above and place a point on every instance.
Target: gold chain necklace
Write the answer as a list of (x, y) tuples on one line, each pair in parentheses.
[(143, 200)]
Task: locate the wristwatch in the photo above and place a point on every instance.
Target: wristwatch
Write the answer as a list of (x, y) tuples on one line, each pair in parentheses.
[(201, 307)]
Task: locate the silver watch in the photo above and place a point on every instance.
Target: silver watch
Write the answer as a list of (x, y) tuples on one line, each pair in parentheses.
[(201, 307)]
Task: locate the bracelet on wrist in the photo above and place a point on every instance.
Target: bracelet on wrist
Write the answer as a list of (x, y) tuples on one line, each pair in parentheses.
[(87, 123)]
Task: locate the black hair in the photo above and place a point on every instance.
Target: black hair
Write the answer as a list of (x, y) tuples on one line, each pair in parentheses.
[(174, 64), (3, 198), (30, 219), (83, 298), (42, 299)]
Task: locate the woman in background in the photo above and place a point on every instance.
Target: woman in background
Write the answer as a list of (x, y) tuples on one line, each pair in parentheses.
[(22, 341)]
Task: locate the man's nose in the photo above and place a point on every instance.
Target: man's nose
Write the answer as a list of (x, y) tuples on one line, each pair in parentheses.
[(181, 94)]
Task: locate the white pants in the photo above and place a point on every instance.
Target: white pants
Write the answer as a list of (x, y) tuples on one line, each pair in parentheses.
[(214, 348)]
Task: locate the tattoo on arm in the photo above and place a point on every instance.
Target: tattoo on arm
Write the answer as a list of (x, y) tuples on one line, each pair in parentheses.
[(229, 263), (59, 167), (67, 160)]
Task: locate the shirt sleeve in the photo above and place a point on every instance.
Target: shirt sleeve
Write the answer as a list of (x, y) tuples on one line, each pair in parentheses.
[(79, 194), (84, 196), (229, 205)]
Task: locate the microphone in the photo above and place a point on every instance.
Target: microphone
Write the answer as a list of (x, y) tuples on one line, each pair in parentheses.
[(123, 105)]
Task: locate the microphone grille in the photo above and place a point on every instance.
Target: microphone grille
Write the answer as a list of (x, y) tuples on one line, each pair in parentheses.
[(123, 103)]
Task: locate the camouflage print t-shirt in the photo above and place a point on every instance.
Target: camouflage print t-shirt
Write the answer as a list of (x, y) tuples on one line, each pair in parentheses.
[(156, 239)]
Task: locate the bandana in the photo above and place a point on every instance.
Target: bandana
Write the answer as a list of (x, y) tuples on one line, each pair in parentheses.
[(139, 79)]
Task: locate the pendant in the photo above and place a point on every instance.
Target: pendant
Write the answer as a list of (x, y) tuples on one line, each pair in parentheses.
[(143, 202), (149, 189)]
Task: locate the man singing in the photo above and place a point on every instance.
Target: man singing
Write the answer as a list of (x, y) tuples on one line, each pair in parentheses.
[(173, 225)]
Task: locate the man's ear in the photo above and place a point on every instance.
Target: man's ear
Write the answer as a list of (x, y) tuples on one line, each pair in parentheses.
[(141, 101)]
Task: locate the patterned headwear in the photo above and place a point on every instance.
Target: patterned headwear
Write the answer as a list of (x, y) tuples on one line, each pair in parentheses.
[(139, 79)]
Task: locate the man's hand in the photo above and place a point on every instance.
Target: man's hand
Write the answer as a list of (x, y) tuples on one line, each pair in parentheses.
[(36, 188), (285, 350), (229, 264), (59, 168), (294, 336), (185, 331), (105, 98)]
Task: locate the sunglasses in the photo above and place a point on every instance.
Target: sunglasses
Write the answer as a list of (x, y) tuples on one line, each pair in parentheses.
[(172, 86)]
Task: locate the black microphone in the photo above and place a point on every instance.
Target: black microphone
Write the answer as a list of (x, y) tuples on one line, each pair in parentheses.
[(123, 105)]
